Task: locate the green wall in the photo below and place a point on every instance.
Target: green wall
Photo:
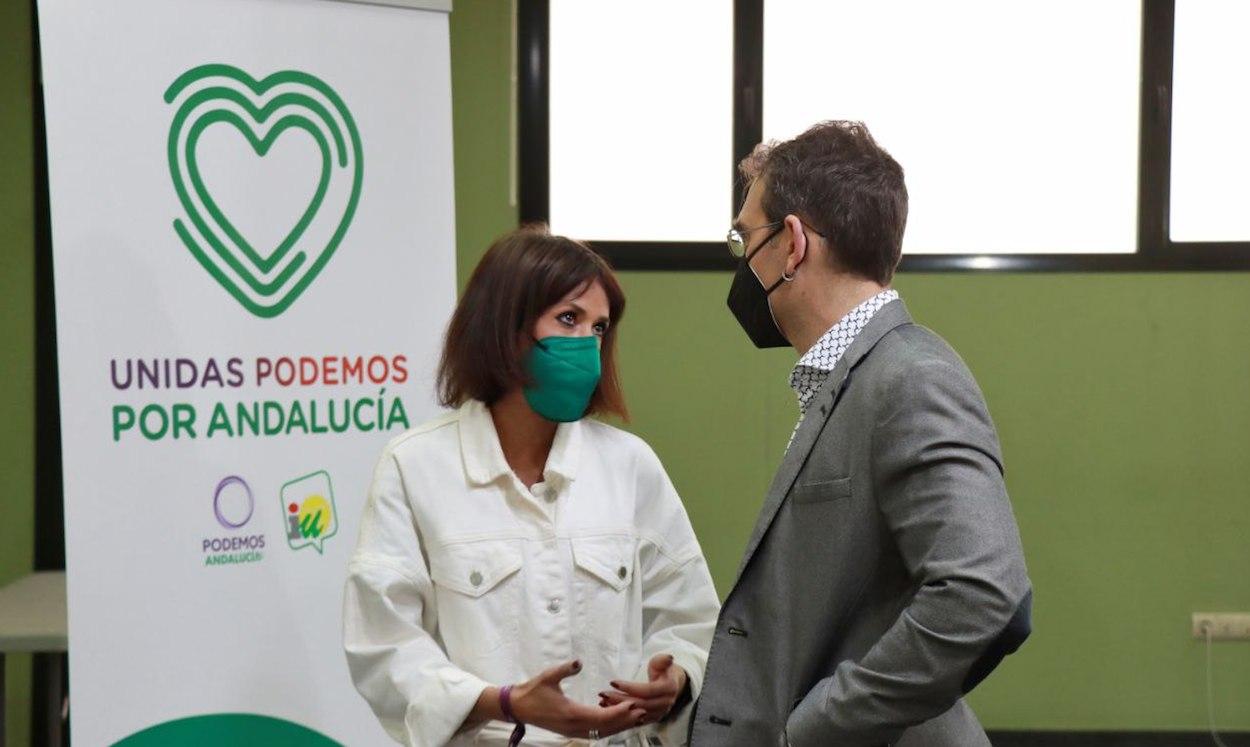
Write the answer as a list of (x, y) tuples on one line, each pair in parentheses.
[(1123, 407), (1123, 402), (17, 332)]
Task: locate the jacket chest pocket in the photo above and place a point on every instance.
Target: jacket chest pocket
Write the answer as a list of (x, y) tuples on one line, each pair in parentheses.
[(478, 592), (603, 582), (821, 491)]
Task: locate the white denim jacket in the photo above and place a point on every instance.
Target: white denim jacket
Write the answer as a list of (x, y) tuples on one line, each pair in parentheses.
[(463, 578)]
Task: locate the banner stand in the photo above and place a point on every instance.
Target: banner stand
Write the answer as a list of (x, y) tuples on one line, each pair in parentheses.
[(253, 252)]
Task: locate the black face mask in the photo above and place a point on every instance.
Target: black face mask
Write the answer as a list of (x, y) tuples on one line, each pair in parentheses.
[(748, 300)]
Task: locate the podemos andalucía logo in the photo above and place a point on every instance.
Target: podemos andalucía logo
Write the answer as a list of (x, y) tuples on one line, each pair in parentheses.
[(233, 544), (266, 280)]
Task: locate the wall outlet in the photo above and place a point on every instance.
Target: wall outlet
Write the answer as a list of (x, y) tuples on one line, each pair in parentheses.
[(1224, 626)]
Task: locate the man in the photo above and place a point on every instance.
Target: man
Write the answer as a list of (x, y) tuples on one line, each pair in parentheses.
[(885, 577)]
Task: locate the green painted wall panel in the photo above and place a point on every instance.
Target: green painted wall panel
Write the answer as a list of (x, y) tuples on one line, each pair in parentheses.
[(481, 90), (17, 332), (1124, 412)]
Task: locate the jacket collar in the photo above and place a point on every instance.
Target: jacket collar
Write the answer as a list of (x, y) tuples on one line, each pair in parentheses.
[(483, 457), (888, 318)]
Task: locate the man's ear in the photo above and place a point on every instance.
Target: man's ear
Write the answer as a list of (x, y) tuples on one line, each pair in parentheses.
[(796, 241)]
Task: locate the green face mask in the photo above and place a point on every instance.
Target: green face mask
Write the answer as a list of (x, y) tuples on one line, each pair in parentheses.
[(564, 372)]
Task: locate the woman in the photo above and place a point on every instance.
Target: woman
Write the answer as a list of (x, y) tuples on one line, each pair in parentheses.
[(523, 572)]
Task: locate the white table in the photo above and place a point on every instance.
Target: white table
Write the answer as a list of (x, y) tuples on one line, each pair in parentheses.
[(32, 620)]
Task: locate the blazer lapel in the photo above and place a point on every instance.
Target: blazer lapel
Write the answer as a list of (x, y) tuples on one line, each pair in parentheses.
[(887, 318)]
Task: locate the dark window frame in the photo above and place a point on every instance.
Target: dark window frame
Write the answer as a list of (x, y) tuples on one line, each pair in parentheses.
[(1155, 249)]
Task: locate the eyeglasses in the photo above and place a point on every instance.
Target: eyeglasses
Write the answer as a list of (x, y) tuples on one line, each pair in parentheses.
[(737, 239)]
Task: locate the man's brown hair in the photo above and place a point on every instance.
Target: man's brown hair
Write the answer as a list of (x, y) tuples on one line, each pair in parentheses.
[(523, 274), (836, 179)]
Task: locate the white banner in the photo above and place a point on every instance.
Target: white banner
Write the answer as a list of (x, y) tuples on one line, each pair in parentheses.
[(253, 249)]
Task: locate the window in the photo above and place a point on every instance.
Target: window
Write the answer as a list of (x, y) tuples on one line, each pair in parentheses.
[(1035, 135), (641, 115), (1007, 146), (1210, 151)]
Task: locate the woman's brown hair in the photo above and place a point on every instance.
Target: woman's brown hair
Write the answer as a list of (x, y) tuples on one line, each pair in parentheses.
[(523, 274)]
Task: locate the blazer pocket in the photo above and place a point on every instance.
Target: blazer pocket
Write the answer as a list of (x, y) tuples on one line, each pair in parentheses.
[(823, 491)]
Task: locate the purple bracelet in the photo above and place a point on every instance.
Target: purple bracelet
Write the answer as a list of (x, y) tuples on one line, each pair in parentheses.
[(505, 705)]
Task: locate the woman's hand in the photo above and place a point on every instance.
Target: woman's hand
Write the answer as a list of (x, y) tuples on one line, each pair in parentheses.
[(656, 697), (541, 702)]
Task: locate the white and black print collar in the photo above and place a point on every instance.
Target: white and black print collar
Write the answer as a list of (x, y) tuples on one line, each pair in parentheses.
[(814, 367)]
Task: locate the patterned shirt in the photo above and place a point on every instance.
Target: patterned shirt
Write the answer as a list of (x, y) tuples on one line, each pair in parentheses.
[(814, 367)]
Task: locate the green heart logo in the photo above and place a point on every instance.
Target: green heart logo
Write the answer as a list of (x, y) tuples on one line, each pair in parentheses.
[(266, 281)]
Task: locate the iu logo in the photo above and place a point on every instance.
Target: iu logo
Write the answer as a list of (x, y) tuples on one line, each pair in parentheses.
[(309, 512)]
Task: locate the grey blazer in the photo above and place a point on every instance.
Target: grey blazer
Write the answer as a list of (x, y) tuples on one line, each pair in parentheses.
[(885, 577)]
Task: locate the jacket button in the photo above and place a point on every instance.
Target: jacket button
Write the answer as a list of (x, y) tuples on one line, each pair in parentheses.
[(621, 573), (475, 578)]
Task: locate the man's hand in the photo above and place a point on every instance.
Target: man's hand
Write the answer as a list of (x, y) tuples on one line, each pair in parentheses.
[(541, 702), (667, 682)]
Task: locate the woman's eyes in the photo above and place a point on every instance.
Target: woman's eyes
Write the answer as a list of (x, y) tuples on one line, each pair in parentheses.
[(569, 319)]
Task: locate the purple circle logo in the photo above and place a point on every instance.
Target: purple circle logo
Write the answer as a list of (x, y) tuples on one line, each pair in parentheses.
[(237, 502)]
